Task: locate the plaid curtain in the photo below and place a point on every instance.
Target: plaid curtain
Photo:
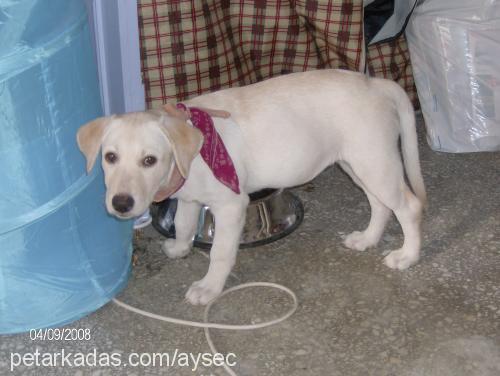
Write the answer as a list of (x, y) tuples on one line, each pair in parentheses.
[(392, 60), (190, 47)]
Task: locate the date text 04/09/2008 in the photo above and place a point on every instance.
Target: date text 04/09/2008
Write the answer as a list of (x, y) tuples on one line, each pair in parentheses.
[(60, 334)]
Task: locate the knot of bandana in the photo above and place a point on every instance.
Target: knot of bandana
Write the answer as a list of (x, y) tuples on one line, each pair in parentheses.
[(213, 151)]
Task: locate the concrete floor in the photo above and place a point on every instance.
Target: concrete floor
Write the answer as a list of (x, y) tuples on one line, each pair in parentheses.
[(356, 316)]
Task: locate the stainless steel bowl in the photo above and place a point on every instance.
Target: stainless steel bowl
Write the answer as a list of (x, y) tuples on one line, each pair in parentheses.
[(271, 215)]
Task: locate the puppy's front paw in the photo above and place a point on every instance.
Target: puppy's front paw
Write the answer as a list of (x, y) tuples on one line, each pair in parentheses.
[(202, 292), (359, 241), (174, 249), (400, 259)]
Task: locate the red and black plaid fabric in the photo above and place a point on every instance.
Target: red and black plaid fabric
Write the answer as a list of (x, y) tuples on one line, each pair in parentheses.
[(190, 47), (392, 60)]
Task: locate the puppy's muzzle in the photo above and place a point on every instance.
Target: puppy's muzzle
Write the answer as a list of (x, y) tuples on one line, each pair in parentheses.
[(122, 203)]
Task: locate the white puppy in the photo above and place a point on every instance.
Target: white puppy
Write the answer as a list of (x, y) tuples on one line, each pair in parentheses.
[(282, 132)]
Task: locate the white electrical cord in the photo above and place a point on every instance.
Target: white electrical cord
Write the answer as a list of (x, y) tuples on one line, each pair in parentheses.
[(207, 325)]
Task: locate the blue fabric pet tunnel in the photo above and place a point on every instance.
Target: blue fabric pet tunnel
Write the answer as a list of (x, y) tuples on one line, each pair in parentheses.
[(61, 255)]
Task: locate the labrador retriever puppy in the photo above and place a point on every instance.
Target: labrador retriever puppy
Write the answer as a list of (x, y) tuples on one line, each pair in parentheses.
[(281, 132)]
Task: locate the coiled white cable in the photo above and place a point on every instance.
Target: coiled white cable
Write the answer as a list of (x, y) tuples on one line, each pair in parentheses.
[(207, 325)]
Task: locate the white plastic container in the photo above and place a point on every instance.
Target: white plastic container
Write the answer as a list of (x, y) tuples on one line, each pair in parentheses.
[(455, 53)]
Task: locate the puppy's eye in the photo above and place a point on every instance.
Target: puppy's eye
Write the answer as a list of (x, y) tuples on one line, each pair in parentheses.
[(110, 157), (149, 161)]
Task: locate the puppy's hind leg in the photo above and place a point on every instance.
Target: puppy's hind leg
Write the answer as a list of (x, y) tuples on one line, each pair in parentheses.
[(229, 222), (386, 183), (409, 214), (186, 220), (361, 240)]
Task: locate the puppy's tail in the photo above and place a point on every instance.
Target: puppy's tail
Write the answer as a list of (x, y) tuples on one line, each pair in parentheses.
[(409, 144)]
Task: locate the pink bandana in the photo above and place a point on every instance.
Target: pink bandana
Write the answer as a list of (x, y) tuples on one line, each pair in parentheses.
[(213, 151)]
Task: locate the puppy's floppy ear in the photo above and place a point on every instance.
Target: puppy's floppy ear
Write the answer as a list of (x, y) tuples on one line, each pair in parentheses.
[(89, 138), (186, 114), (186, 141), (170, 109)]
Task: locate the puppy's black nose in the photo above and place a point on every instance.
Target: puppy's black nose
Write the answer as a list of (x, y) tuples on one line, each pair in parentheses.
[(122, 202)]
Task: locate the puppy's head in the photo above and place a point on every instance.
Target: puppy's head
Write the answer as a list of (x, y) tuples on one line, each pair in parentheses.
[(145, 156)]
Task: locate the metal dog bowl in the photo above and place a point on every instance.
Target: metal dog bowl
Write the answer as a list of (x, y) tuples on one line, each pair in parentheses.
[(271, 215)]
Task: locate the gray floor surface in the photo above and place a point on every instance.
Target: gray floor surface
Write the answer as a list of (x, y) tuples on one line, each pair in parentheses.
[(356, 316)]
